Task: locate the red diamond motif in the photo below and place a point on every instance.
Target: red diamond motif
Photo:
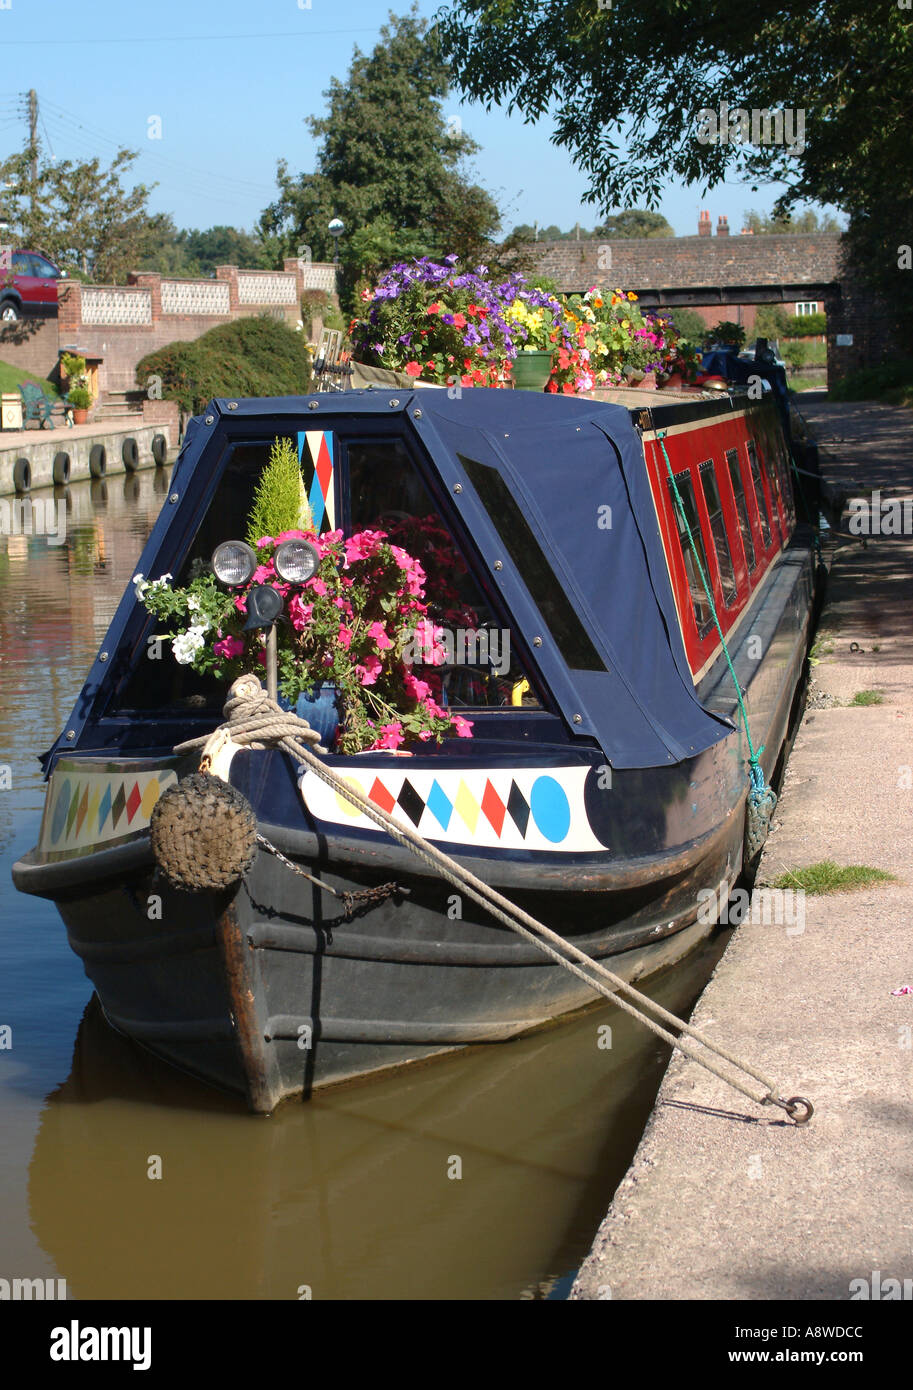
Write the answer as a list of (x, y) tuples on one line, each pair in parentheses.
[(133, 801), (324, 466), (381, 797), (493, 807)]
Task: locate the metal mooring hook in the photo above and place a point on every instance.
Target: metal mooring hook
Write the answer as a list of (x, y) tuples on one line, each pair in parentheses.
[(792, 1107)]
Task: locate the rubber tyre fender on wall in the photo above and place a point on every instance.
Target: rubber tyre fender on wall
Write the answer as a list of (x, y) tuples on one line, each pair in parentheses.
[(130, 454), (22, 475), (98, 461), (60, 472), (159, 449)]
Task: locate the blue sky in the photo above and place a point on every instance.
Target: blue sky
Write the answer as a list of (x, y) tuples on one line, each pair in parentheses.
[(231, 82)]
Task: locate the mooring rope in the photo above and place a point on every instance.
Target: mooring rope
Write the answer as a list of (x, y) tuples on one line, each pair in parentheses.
[(252, 718)]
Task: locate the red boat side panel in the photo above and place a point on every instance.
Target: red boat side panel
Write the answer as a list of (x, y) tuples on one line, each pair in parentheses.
[(694, 452)]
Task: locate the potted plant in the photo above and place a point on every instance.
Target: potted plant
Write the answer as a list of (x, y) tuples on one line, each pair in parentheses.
[(80, 398), (540, 331), (349, 627)]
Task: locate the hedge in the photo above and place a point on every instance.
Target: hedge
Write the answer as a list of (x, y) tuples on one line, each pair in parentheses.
[(255, 356)]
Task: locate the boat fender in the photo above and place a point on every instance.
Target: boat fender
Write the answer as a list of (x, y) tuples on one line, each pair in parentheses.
[(758, 816), (203, 834)]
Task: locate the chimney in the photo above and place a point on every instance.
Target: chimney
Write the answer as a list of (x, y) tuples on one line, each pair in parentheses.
[(703, 226), (722, 226)]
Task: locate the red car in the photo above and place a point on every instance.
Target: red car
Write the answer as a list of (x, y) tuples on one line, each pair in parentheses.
[(28, 284)]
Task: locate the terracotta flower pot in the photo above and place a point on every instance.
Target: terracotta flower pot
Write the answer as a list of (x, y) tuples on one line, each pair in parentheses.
[(80, 415), (673, 381)]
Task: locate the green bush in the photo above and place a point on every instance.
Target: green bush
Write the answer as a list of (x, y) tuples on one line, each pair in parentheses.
[(795, 353), (256, 356), (804, 325), (726, 332), (771, 322), (689, 324), (280, 502)]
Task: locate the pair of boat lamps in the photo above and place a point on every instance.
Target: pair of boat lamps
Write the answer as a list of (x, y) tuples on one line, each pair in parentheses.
[(234, 564)]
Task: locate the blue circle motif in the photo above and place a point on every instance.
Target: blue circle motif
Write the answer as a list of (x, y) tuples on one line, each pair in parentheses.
[(61, 806), (551, 809)]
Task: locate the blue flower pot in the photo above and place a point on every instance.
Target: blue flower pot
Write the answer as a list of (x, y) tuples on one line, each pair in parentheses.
[(318, 707)]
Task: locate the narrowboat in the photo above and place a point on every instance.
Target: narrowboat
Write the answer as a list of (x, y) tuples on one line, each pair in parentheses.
[(634, 552)]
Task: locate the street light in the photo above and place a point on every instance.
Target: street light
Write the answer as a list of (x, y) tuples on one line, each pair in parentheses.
[(336, 229)]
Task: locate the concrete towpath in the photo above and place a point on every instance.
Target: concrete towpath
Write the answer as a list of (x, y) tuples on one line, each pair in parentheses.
[(724, 1200)]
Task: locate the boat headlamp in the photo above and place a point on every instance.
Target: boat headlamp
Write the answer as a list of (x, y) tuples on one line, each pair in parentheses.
[(233, 563), (296, 561)]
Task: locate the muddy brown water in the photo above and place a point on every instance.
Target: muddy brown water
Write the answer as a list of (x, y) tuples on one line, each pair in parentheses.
[(482, 1174)]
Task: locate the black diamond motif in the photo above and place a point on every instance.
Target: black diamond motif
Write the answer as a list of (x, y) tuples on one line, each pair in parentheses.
[(117, 810), (518, 806), (411, 802)]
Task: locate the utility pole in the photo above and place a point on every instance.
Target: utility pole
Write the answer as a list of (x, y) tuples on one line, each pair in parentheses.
[(33, 144)]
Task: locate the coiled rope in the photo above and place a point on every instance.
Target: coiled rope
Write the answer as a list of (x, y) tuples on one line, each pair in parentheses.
[(253, 720)]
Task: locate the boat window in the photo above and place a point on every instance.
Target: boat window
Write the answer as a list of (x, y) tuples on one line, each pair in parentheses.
[(698, 594), (763, 513), (386, 493), (559, 614), (718, 532), (741, 506)]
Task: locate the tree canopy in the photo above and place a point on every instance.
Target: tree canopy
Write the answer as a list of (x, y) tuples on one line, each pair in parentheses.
[(78, 212), (626, 84), (631, 222), (390, 164), (774, 224)]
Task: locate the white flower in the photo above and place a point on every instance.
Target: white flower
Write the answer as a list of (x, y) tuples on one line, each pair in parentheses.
[(187, 645), (140, 585), (161, 583)]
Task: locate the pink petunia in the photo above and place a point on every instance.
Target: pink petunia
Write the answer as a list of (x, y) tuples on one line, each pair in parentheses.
[(229, 647), (316, 586), (414, 687), (463, 726), (368, 670), (391, 736), (345, 636), (377, 632), (300, 613)]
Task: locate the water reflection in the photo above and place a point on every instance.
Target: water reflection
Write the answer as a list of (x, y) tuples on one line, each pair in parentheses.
[(355, 1193)]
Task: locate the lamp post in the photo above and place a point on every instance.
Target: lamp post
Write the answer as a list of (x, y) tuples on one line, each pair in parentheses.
[(336, 229)]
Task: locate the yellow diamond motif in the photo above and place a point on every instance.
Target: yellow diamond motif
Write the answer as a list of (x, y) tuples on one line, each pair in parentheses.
[(150, 797), (466, 806)]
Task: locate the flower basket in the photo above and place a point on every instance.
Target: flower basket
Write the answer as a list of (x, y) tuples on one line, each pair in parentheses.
[(532, 370)]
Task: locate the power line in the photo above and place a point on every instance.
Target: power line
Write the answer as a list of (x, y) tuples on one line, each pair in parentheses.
[(186, 38)]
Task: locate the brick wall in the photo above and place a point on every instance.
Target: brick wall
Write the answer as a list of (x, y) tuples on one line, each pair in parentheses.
[(30, 344), (690, 262)]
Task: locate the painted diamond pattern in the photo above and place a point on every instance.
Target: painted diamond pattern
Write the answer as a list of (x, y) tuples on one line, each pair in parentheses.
[(439, 804), (493, 807), (133, 801), (381, 797), (518, 806), (105, 807), (83, 808), (411, 802), (74, 807), (117, 810)]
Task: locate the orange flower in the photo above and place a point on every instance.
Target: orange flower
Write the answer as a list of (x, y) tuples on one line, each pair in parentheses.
[(631, 296), (597, 303)]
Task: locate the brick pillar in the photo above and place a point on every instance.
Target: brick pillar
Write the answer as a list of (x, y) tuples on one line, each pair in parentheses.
[(293, 263), (230, 273), (722, 226), (149, 280), (69, 310), (703, 225)]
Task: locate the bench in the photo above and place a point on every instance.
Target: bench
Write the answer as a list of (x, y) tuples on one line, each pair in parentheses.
[(37, 406)]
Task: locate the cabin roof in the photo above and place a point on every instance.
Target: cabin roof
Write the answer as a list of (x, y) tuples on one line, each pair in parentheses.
[(554, 494)]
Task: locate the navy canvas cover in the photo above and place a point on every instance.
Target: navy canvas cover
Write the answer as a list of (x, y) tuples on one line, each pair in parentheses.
[(565, 461)]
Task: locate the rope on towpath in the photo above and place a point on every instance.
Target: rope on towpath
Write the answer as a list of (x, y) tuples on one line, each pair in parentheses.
[(254, 720)]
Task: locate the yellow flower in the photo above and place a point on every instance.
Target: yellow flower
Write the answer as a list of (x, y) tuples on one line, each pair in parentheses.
[(631, 296)]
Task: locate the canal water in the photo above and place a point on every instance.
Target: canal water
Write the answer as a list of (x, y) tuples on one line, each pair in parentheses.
[(481, 1175)]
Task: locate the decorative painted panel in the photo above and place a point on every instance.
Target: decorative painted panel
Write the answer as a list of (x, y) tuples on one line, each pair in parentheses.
[(267, 289), (315, 447), (526, 808), (99, 806), (194, 297), (108, 306)]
